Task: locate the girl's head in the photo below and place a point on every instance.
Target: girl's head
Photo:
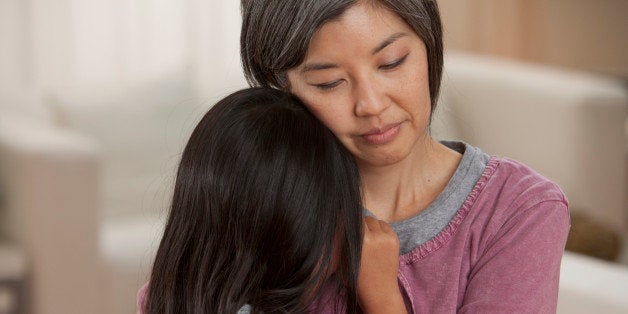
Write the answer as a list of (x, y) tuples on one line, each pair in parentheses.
[(265, 196), (276, 35)]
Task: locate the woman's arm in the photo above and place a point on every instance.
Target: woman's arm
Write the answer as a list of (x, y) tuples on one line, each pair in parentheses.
[(518, 271)]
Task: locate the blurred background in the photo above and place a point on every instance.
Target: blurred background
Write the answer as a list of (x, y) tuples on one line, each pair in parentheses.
[(97, 99)]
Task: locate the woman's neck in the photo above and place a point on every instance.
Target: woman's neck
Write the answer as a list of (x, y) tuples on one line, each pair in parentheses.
[(402, 190)]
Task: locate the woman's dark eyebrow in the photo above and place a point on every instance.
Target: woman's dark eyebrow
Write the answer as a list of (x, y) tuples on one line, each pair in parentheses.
[(318, 66), (391, 39), (323, 66)]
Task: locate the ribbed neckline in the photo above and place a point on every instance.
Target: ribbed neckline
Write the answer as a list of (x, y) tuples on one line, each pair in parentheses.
[(450, 230)]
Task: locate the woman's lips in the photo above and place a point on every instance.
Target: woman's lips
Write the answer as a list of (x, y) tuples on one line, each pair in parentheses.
[(383, 135)]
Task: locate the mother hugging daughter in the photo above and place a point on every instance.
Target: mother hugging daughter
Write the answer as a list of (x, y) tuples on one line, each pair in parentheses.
[(476, 233)]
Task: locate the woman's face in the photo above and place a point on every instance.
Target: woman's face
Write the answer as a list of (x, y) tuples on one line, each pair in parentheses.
[(365, 76)]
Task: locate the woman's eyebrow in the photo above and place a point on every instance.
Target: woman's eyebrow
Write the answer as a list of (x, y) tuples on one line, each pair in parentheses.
[(318, 66), (391, 39)]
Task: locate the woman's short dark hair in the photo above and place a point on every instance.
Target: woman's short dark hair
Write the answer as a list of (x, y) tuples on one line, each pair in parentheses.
[(264, 194), (275, 35)]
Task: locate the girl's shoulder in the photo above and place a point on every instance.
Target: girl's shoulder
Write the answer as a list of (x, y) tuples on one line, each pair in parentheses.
[(142, 294)]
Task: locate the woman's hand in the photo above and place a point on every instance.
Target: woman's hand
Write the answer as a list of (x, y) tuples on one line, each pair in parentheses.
[(378, 290)]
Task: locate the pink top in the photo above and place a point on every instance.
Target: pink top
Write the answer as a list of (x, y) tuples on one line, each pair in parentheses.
[(500, 253)]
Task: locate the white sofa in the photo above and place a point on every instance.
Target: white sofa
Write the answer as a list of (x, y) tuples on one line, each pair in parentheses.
[(85, 175), (569, 126), (589, 285), (84, 180), (49, 201)]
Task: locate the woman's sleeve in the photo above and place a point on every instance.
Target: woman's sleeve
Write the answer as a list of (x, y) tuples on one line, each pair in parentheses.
[(519, 267)]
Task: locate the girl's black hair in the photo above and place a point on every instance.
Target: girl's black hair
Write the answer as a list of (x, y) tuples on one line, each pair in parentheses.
[(263, 197)]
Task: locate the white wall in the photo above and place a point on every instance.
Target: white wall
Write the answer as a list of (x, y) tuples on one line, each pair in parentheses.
[(12, 44), (49, 45), (216, 38)]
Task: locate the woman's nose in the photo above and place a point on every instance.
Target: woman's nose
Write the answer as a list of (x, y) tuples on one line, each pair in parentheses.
[(369, 99)]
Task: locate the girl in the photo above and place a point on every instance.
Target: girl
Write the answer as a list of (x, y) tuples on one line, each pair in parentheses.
[(266, 207), (478, 233)]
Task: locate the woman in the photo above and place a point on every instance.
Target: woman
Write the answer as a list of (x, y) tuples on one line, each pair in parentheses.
[(266, 207), (478, 233)]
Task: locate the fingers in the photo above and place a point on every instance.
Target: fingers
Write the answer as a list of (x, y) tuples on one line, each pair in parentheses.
[(379, 265), (386, 228), (371, 224), (374, 225)]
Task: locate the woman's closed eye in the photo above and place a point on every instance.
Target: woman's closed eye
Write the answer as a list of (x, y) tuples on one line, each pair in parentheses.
[(394, 64), (328, 85), (388, 66)]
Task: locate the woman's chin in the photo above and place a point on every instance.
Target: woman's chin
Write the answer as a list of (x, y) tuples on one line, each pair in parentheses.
[(380, 159), (396, 152)]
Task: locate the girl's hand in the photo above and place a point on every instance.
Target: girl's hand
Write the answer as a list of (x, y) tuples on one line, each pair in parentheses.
[(378, 290)]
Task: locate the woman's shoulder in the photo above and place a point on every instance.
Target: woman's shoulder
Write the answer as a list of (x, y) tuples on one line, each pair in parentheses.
[(514, 206), (513, 179), (510, 188), (501, 176)]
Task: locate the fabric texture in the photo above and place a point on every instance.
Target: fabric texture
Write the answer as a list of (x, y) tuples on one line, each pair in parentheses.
[(422, 227)]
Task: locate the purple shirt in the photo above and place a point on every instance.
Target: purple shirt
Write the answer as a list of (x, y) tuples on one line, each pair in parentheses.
[(500, 253)]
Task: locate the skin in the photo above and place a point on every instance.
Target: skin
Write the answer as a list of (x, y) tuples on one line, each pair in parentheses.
[(356, 93), (365, 76), (378, 291)]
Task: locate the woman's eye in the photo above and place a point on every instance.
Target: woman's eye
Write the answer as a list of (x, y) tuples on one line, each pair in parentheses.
[(394, 64), (327, 86)]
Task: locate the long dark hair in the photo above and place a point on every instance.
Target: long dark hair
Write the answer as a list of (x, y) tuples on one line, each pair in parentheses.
[(263, 197), (275, 35)]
